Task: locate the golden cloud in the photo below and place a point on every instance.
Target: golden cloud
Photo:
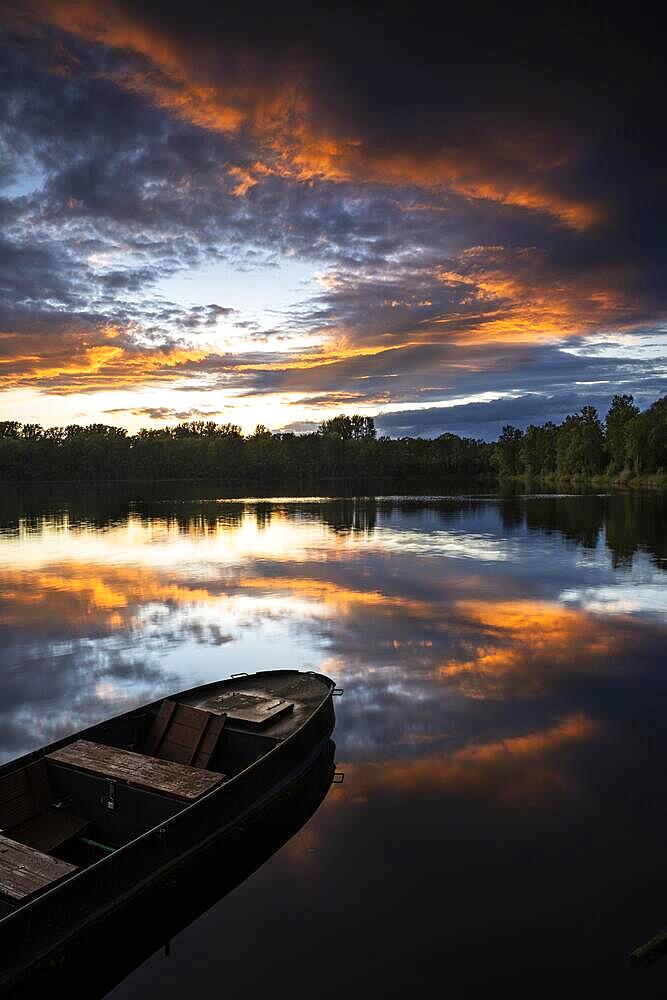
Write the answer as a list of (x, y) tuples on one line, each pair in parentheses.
[(518, 300), (71, 363), (524, 646), (80, 595)]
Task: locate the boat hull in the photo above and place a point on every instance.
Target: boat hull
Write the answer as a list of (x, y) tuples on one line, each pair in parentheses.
[(43, 927)]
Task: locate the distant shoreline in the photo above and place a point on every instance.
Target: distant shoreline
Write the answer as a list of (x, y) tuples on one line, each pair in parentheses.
[(627, 450), (648, 481), (370, 484)]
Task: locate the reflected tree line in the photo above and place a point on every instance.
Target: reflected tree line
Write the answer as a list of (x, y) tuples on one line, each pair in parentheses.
[(628, 442), (628, 523)]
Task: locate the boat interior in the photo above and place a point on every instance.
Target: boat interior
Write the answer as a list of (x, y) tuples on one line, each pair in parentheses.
[(83, 798)]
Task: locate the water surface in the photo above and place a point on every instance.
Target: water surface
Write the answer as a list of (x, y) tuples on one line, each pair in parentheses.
[(502, 732)]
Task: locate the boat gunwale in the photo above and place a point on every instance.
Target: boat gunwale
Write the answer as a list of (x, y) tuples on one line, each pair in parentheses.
[(187, 808)]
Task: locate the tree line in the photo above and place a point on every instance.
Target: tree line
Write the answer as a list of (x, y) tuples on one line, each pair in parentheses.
[(628, 442)]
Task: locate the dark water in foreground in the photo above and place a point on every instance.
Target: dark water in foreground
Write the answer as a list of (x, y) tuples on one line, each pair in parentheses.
[(503, 820)]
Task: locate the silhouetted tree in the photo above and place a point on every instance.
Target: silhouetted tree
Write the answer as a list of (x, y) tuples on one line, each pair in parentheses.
[(349, 428), (537, 453), (262, 432), (507, 451), (10, 428), (621, 412)]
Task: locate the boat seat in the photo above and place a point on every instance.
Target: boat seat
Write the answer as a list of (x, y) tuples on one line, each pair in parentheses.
[(28, 814), (180, 781), (184, 735), (24, 871)]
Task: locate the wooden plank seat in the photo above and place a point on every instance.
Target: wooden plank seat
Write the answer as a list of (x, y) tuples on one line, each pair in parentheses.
[(184, 735), (28, 814), (181, 781), (25, 871)]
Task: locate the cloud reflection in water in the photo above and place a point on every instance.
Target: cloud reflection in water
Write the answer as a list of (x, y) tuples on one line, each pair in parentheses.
[(503, 710), (427, 613)]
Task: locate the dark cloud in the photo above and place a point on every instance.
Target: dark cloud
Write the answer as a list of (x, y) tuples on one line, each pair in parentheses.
[(486, 420), (165, 413), (467, 213)]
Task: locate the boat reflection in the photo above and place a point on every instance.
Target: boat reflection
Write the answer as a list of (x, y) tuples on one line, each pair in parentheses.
[(102, 956)]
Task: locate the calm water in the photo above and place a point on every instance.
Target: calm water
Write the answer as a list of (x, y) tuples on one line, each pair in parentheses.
[(504, 815)]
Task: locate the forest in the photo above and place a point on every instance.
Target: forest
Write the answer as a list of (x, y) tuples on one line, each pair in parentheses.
[(627, 443)]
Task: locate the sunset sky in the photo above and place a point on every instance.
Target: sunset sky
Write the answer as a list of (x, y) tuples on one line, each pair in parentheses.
[(256, 215)]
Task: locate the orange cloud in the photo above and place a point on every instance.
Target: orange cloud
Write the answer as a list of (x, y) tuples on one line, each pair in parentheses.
[(520, 647), (505, 648), (283, 116), (516, 770), (195, 103), (82, 595), (519, 301), (468, 175), (70, 363), (337, 598), (331, 354)]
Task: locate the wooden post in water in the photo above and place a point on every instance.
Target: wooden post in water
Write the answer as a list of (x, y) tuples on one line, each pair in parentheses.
[(650, 952)]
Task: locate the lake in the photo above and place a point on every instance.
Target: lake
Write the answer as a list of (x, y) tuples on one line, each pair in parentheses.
[(503, 819)]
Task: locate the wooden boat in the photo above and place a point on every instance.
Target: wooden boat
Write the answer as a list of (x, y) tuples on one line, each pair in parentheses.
[(92, 821), (94, 961)]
